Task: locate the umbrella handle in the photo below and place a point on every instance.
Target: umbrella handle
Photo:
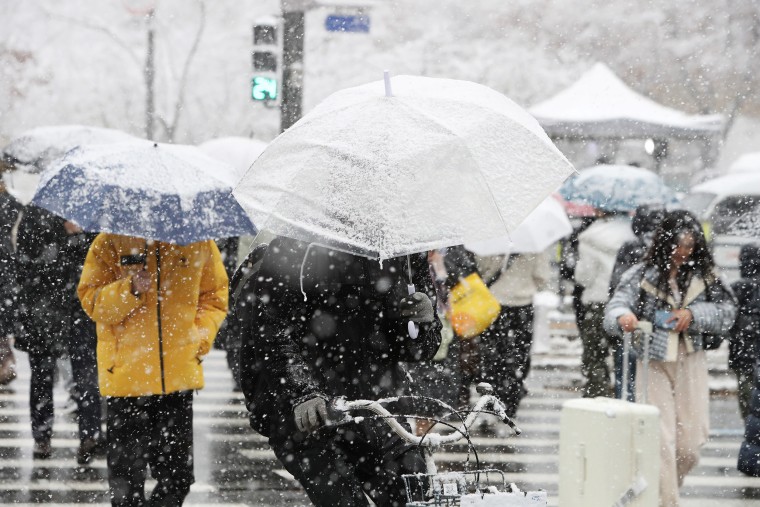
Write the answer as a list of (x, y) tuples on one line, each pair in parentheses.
[(412, 327)]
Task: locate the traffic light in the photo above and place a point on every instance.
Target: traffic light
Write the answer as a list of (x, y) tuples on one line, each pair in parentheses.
[(265, 84)]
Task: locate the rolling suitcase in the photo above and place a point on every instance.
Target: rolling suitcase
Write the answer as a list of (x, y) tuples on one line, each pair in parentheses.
[(609, 453)]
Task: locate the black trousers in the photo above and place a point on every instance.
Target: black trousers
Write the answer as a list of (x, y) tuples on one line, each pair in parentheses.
[(337, 466), (43, 371), (154, 431), (505, 354), (82, 345)]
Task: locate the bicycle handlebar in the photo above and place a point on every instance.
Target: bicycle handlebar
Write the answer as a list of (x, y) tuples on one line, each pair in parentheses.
[(486, 403)]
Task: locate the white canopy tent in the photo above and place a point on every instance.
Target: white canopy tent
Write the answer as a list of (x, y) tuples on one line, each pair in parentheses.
[(601, 105), (600, 110)]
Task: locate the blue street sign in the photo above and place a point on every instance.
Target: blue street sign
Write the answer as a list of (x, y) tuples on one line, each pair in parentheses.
[(337, 23)]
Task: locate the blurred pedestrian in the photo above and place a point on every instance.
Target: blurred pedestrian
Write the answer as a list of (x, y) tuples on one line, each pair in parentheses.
[(50, 254), (81, 346), (326, 324), (568, 258), (505, 346), (677, 290), (598, 246), (645, 220), (459, 263), (158, 307), (242, 299), (433, 378), (229, 342), (744, 346), (10, 210)]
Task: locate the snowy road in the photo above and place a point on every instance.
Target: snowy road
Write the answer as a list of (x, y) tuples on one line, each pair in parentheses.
[(235, 467)]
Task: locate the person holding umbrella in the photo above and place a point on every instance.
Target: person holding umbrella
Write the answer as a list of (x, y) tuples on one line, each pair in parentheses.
[(356, 190), (325, 324), (154, 283), (157, 307)]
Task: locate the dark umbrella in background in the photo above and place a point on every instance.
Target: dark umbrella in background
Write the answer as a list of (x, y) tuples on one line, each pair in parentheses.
[(171, 193), (35, 150), (617, 188)]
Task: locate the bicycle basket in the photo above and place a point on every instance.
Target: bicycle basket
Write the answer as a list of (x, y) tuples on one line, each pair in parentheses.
[(474, 488)]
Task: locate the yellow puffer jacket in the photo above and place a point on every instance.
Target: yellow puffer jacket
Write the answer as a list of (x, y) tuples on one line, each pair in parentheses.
[(148, 345)]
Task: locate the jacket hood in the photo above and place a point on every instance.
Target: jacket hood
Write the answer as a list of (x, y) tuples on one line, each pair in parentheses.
[(608, 234)]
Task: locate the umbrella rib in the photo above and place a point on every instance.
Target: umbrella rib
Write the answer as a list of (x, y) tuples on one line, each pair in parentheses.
[(472, 156), (531, 134)]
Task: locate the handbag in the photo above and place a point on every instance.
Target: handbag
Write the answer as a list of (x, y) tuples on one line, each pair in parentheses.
[(711, 341), (473, 307)]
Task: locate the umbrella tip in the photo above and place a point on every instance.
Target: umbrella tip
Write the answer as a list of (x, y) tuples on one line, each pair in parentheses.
[(387, 79)]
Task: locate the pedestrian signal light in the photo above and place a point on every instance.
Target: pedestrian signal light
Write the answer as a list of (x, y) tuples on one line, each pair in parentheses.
[(264, 34), (264, 61), (264, 88)]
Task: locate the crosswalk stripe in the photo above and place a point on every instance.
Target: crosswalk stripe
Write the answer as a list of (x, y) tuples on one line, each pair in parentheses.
[(223, 416)]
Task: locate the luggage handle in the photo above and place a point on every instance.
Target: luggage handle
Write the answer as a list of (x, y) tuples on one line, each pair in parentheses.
[(581, 455), (643, 332)]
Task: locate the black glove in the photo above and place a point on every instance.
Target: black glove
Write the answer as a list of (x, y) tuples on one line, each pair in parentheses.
[(417, 307), (310, 414)]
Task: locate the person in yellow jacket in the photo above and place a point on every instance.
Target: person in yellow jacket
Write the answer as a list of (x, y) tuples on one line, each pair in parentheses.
[(158, 307)]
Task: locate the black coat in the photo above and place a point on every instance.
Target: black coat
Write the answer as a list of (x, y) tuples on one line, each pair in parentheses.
[(460, 263), (49, 266), (745, 334), (9, 210), (345, 339)]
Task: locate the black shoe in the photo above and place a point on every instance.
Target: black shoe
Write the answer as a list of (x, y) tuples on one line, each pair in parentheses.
[(42, 449), (89, 448)]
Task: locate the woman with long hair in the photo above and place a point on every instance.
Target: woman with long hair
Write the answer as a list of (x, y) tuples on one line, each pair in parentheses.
[(677, 292)]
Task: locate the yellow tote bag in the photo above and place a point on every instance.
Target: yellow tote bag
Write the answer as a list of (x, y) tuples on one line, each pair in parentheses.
[(473, 307)]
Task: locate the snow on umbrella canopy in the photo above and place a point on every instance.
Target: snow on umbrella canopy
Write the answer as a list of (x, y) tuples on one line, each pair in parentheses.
[(439, 162), (170, 193), (35, 150), (617, 188)]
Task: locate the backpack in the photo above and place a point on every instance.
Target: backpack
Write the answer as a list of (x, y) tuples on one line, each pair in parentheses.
[(238, 322)]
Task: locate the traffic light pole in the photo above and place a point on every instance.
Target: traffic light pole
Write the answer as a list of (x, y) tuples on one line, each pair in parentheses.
[(292, 66)]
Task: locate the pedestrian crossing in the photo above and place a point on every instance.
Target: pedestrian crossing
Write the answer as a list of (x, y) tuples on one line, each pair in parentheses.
[(235, 467)]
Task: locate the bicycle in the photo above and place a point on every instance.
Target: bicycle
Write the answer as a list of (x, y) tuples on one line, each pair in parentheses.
[(468, 488)]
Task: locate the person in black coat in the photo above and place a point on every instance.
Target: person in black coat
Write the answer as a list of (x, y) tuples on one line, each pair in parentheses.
[(9, 211), (745, 334), (743, 356), (51, 252), (328, 324)]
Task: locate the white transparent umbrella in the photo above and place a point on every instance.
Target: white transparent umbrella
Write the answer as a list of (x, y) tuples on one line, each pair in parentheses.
[(409, 165), (36, 150), (546, 224)]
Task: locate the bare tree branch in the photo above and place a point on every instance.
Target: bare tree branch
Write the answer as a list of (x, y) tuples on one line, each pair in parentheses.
[(180, 102), (98, 28)]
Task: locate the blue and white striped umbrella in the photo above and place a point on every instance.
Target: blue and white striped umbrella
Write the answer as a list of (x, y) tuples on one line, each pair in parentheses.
[(617, 188), (170, 193)]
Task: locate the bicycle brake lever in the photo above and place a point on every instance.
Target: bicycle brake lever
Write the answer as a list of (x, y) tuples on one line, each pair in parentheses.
[(509, 422), (502, 414)]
